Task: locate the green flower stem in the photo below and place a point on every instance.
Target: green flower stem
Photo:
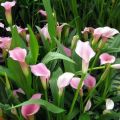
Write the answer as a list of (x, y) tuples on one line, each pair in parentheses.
[(76, 93), (94, 62), (104, 75), (46, 98)]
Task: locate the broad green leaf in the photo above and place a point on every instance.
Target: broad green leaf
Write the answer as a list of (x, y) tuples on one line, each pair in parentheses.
[(47, 105), (54, 56), (18, 76), (4, 70), (34, 48), (17, 41)]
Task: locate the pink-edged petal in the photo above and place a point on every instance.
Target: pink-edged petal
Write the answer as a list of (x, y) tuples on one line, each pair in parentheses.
[(106, 58), (90, 82), (109, 32), (1, 25), (109, 104), (116, 66), (84, 50), (40, 70), (45, 32), (67, 51), (5, 42), (8, 5), (88, 105), (19, 90), (97, 33), (64, 80), (31, 109), (18, 54), (75, 82)]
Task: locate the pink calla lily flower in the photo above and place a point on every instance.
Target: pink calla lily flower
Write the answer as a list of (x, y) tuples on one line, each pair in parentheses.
[(31, 109), (45, 32), (104, 32), (84, 50), (5, 42), (42, 71), (64, 80), (8, 5), (106, 58), (18, 54), (90, 82)]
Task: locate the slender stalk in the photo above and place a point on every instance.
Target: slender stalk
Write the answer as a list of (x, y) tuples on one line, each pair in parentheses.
[(94, 62), (46, 98), (76, 93), (101, 79)]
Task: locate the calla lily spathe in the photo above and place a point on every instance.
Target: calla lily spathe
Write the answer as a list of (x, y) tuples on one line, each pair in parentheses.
[(8, 5), (64, 80), (18, 54), (31, 109), (106, 58), (104, 33), (5, 42), (42, 71), (84, 50)]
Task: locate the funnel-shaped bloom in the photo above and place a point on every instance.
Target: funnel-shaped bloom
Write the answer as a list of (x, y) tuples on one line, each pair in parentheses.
[(84, 50), (64, 80), (104, 32), (90, 82), (18, 54), (8, 5), (45, 32), (42, 71), (1, 25), (106, 58), (109, 104), (5, 42), (67, 51), (31, 109)]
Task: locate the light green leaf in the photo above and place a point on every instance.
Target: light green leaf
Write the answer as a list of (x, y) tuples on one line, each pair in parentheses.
[(34, 48), (54, 56)]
